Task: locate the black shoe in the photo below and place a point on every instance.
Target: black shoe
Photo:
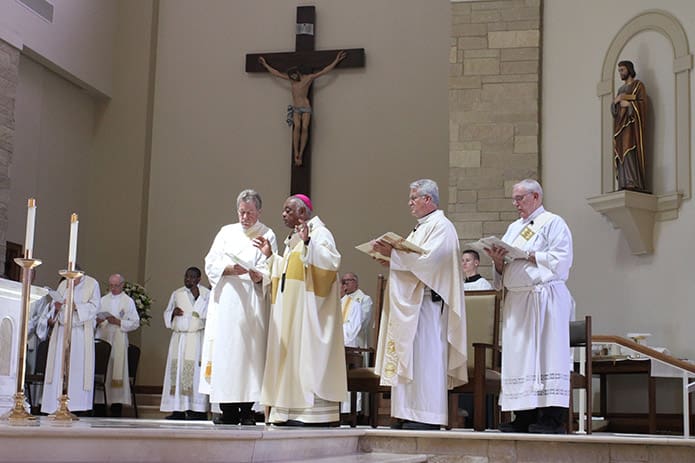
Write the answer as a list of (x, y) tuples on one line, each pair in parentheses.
[(248, 421), (196, 416), (417, 426), (514, 426), (221, 420), (545, 428), (176, 416), (398, 424), (522, 420), (116, 410)]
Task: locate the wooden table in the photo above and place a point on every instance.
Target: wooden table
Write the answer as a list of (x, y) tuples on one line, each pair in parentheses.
[(603, 367)]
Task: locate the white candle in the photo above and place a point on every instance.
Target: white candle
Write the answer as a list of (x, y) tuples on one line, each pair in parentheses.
[(72, 250), (31, 222)]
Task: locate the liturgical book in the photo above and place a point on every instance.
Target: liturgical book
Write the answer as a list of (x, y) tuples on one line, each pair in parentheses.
[(490, 241), (395, 240)]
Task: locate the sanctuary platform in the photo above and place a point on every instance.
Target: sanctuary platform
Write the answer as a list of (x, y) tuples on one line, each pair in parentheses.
[(128, 440)]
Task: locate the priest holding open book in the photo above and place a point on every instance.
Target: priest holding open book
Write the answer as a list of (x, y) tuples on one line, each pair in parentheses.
[(422, 339), (537, 310), (236, 328)]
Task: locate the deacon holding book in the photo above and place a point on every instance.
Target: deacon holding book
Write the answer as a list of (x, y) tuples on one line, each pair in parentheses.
[(422, 340), (116, 318), (237, 321), (537, 310), (305, 375)]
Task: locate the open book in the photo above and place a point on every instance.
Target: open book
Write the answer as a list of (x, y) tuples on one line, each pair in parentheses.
[(395, 240), (490, 241), (55, 295), (243, 263)]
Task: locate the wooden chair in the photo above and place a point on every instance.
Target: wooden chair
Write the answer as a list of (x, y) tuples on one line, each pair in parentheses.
[(580, 336), (362, 378), (39, 375), (102, 353), (483, 326), (133, 362)]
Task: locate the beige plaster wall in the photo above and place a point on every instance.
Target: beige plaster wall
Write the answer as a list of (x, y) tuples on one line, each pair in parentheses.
[(78, 44), (217, 130), (623, 292), (53, 145)]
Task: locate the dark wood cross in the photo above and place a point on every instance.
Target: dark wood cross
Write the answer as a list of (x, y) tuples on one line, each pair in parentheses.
[(311, 60)]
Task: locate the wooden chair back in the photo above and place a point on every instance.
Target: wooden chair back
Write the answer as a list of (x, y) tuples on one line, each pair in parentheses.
[(580, 336), (102, 353)]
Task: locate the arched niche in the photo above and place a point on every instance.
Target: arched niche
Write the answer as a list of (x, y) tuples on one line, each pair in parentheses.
[(635, 213)]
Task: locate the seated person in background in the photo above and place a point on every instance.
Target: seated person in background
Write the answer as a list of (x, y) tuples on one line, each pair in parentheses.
[(470, 260), (117, 316), (357, 319), (185, 315)]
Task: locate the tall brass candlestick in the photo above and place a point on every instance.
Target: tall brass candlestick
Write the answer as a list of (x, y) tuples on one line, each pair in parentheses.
[(18, 415), (63, 413)]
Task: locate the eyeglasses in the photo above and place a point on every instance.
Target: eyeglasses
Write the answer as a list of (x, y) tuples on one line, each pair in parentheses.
[(518, 199), (414, 197), (346, 280)]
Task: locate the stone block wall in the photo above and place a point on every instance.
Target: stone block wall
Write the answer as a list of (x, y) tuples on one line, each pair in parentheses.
[(494, 111), (9, 77)]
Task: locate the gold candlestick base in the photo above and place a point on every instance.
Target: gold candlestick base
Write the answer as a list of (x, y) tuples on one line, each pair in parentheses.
[(63, 415), (18, 416)]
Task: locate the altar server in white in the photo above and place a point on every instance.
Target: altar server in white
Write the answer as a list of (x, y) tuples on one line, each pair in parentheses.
[(236, 329), (538, 307), (116, 318), (185, 315), (422, 334), (81, 381)]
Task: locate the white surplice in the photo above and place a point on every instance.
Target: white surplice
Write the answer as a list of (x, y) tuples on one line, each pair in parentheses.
[(236, 328), (538, 307), (305, 370), (182, 375), (81, 381), (357, 320), (481, 284), (117, 382), (422, 344)]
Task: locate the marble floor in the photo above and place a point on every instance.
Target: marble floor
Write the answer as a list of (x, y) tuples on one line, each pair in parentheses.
[(156, 440)]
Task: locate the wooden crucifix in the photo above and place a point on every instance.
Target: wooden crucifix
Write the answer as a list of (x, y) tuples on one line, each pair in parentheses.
[(301, 67)]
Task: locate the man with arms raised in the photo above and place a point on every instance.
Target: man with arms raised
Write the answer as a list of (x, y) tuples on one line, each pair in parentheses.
[(237, 324), (538, 307), (422, 339), (117, 316), (185, 315), (305, 369)]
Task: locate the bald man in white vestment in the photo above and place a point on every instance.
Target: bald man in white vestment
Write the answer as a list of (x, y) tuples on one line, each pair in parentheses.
[(236, 329), (356, 307), (422, 335), (305, 375), (536, 359), (185, 315), (86, 303), (116, 318)]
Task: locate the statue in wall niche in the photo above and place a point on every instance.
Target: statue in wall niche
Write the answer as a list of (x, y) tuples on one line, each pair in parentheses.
[(299, 112), (629, 120)]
